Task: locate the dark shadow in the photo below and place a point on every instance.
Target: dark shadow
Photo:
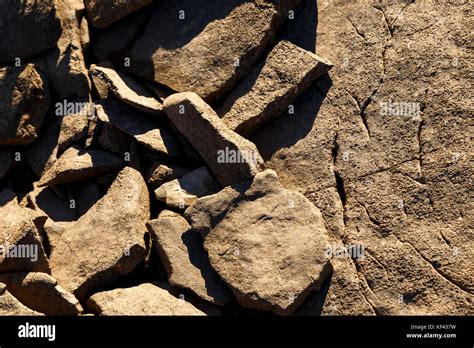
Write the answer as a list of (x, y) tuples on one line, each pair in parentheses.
[(55, 207), (314, 303), (288, 129)]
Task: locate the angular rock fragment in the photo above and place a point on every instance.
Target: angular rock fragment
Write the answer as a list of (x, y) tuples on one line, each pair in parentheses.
[(44, 151), (24, 102), (230, 157), (10, 306), (73, 128), (203, 47), (183, 255), (271, 87), (145, 299), (107, 241), (41, 292), (124, 88), (181, 193), (27, 27), (21, 249), (144, 128), (79, 164), (267, 243), (6, 161), (53, 231), (158, 174), (104, 12), (67, 70)]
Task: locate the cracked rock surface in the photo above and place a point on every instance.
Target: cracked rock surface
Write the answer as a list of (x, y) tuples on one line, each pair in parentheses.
[(263, 157)]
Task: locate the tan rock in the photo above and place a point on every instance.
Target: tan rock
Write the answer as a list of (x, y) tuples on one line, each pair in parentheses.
[(105, 12), (10, 306), (159, 173)]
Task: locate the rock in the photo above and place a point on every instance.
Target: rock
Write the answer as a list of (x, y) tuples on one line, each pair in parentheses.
[(103, 13), (158, 174), (185, 260), (112, 231), (145, 299), (230, 157), (194, 46), (113, 139), (6, 161), (24, 102), (271, 87), (181, 193), (27, 28), (20, 242), (124, 88), (79, 164), (67, 70), (53, 231), (73, 128), (267, 243), (85, 196), (46, 202), (41, 292), (43, 152), (146, 129), (10, 306)]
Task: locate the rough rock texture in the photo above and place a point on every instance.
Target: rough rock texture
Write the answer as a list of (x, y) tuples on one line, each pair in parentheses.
[(124, 88), (41, 292), (112, 231), (44, 151), (79, 164), (145, 299), (146, 129), (20, 241), (395, 182), (204, 58), (210, 137), (30, 26), (9, 305), (73, 127), (182, 253), (23, 103), (267, 243), (181, 193), (102, 13), (271, 87), (159, 173)]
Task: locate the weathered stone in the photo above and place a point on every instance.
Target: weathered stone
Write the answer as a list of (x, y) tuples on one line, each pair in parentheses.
[(185, 260), (23, 103), (41, 292), (20, 241), (53, 231), (73, 127), (146, 129), (269, 89), (67, 70), (158, 174), (44, 151), (27, 28), (181, 193), (79, 164), (268, 244), (124, 88), (104, 12), (107, 241), (145, 299), (194, 46), (230, 157), (10, 306), (6, 161)]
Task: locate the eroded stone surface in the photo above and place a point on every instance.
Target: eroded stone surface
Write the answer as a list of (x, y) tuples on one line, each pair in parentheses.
[(104, 12)]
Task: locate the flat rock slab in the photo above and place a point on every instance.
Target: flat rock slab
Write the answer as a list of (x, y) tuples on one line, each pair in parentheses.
[(124, 88), (24, 102), (271, 87), (266, 243), (102, 13), (107, 241), (79, 164), (204, 47), (27, 27), (145, 299), (9, 305), (146, 129), (186, 262), (20, 242), (41, 292), (230, 157), (181, 193)]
